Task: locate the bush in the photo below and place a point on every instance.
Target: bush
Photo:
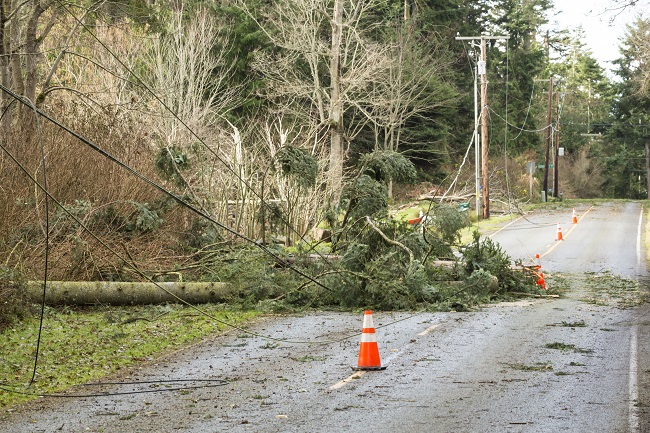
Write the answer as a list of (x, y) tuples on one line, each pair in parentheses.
[(13, 302)]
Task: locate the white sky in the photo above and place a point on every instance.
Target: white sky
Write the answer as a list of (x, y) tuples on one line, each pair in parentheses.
[(602, 37)]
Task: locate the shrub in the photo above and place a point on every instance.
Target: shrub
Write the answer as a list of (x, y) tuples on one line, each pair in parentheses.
[(13, 301)]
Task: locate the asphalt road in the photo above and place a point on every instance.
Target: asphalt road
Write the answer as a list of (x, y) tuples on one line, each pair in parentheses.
[(541, 365), (607, 238)]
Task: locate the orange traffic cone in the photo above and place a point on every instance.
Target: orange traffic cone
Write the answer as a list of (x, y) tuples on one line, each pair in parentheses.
[(368, 350), (575, 217), (540, 275), (559, 233), (540, 281), (417, 220)]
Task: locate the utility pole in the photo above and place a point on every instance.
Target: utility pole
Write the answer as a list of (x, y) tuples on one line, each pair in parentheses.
[(556, 172), (482, 72), (548, 134), (477, 156), (484, 132)]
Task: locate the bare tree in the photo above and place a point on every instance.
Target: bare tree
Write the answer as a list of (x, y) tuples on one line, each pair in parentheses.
[(190, 80), (98, 74), (190, 75), (77, 64), (314, 36), (299, 201), (336, 106), (410, 83), (24, 26), (411, 87)]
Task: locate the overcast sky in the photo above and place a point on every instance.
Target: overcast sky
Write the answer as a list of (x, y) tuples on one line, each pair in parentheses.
[(602, 36)]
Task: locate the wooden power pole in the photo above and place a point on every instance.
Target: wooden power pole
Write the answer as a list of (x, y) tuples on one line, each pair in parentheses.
[(549, 131), (482, 72), (484, 132), (556, 167)]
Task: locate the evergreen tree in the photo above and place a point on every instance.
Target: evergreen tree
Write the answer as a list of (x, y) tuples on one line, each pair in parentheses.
[(519, 69), (627, 145)]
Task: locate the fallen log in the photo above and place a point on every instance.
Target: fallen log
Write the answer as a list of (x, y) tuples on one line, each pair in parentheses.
[(533, 295), (445, 263), (312, 258), (532, 269), (127, 293), (430, 196)]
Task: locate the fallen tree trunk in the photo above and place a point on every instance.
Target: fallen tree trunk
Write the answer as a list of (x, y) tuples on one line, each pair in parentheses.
[(127, 293), (432, 196)]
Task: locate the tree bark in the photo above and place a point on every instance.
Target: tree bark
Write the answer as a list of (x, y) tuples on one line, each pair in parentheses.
[(556, 167), (336, 112), (5, 77)]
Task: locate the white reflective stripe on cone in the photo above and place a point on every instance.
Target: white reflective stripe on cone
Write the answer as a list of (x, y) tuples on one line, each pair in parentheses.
[(368, 337)]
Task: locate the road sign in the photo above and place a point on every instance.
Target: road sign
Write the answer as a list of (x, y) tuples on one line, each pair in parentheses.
[(530, 167)]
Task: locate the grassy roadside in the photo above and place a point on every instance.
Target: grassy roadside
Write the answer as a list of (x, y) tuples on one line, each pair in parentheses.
[(82, 345)]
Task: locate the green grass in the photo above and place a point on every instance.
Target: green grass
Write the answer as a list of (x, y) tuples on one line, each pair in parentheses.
[(567, 347), (577, 324), (539, 366), (82, 345), (310, 358)]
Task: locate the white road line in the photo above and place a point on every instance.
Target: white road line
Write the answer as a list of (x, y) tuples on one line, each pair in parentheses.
[(340, 384), (633, 416), (429, 329), (504, 227)]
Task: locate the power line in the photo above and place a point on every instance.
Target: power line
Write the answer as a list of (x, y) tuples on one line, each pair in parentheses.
[(168, 193), (199, 384), (181, 202), (530, 104)]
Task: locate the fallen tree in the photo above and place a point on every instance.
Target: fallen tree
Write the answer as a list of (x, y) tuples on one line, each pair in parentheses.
[(127, 293)]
